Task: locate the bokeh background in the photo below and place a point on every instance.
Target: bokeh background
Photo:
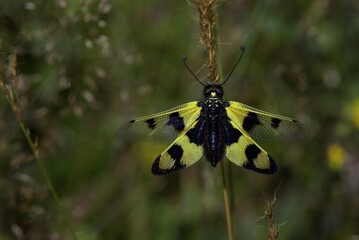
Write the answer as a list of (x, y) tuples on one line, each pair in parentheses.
[(86, 67)]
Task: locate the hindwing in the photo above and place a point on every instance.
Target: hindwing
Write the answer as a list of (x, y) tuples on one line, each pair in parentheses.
[(164, 126), (243, 151), (182, 153), (264, 125)]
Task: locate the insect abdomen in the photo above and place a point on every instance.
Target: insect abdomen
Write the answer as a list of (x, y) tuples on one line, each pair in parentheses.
[(215, 150), (214, 145)]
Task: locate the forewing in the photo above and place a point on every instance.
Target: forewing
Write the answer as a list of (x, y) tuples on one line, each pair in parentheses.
[(243, 151), (264, 125), (163, 126), (182, 153)]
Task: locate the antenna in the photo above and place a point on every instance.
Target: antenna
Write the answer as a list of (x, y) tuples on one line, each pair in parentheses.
[(235, 65), (184, 58)]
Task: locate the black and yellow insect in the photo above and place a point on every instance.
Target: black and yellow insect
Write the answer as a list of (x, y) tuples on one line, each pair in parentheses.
[(212, 127)]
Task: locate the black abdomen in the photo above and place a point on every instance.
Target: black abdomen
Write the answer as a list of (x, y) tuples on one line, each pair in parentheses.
[(213, 144)]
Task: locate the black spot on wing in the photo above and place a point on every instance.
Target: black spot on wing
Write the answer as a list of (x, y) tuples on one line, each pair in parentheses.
[(176, 121), (273, 166), (250, 121), (252, 152), (132, 121), (156, 168), (196, 133), (151, 123), (231, 134), (275, 122), (176, 153)]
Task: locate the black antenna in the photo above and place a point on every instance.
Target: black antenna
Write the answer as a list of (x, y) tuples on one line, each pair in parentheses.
[(235, 65), (184, 58)]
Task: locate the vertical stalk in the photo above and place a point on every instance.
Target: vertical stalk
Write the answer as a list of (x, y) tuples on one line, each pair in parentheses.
[(226, 202), (207, 23)]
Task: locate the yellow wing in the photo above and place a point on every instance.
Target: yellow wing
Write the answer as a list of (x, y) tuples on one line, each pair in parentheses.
[(180, 154), (264, 125), (243, 151), (163, 126)]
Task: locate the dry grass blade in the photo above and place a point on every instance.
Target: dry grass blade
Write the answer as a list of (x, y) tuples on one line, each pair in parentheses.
[(268, 212), (207, 20)]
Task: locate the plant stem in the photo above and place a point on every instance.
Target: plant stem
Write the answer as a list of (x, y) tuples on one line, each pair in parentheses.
[(46, 176), (226, 202)]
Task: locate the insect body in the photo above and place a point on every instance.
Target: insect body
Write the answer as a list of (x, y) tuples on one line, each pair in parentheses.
[(215, 128)]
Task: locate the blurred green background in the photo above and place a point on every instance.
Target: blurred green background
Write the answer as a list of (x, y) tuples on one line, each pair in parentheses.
[(88, 66)]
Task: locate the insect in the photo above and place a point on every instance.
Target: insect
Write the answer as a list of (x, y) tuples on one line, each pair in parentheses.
[(214, 128)]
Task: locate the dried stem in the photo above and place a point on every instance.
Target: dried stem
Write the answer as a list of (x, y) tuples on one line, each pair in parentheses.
[(268, 212), (11, 92), (207, 20)]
